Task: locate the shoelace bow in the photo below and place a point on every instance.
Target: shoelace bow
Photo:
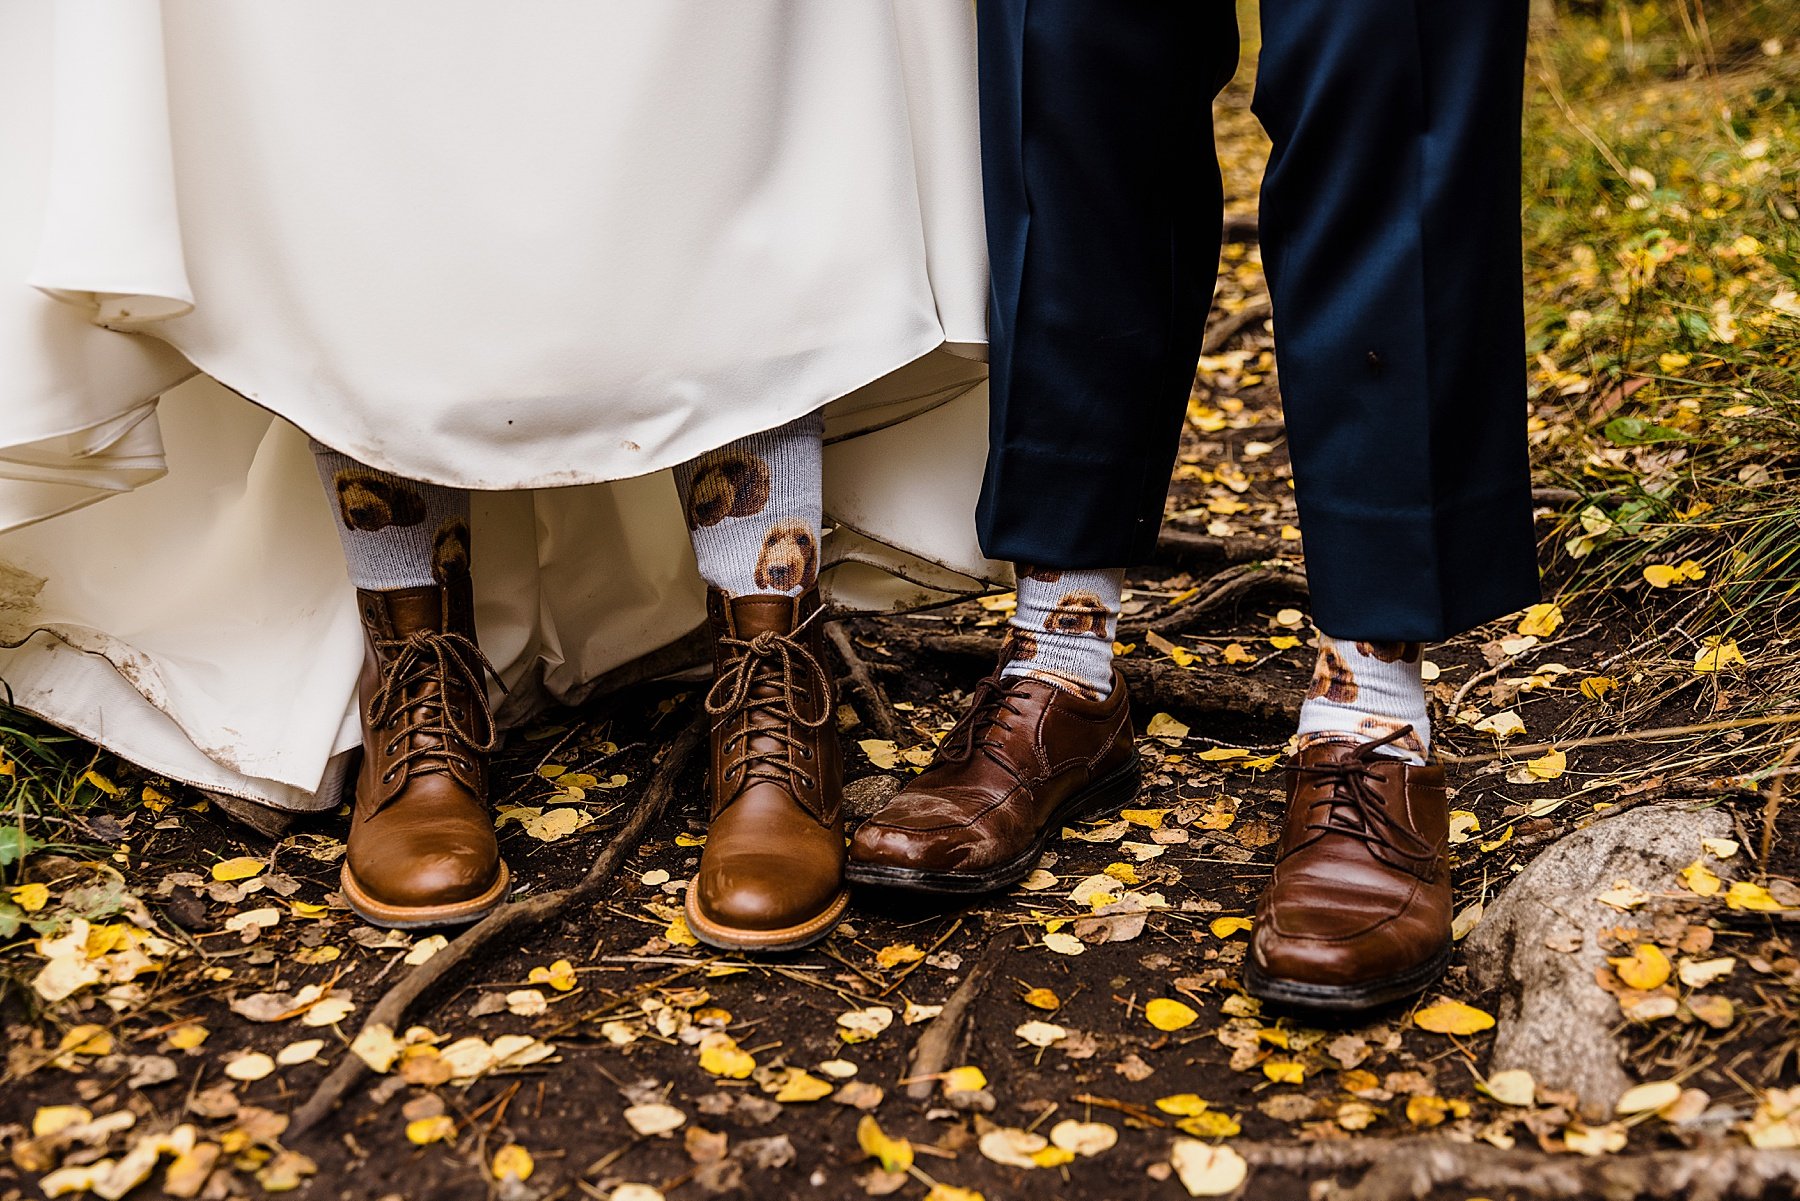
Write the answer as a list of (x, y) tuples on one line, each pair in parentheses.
[(422, 657), (1353, 805), (993, 697), (767, 657)]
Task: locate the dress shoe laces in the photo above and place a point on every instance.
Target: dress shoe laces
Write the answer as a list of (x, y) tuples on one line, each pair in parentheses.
[(762, 676), (995, 700), (410, 704), (1353, 806)]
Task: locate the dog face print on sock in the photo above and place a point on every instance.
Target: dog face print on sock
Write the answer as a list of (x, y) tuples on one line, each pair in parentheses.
[(369, 501), (1392, 652), (1332, 678), (727, 483), (1043, 575), (450, 551), (1078, 613), (1373, 728), (789, 558), (1020, 645)]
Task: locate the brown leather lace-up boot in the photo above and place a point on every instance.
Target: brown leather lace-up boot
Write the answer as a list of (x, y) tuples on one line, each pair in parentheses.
[(1027, 758), (422, 850), (1358, 912), (772, 874)]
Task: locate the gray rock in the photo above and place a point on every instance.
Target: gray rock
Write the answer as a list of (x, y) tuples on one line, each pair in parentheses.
[(863, 796), (1553, 1020)]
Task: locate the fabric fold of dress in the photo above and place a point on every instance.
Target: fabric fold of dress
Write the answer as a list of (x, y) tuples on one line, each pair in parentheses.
[(546, 252)]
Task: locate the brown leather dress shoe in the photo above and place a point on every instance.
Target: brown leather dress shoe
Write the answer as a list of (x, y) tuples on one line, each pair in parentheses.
[(772, 873), (1026, 758), (422, 850), (1358, 912)]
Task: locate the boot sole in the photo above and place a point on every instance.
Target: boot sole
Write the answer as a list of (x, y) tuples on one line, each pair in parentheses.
[(1344, 998), (422, 917), (1103, 795), (788, 938)]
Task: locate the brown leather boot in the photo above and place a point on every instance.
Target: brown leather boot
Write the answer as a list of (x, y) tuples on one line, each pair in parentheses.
[(772, 873), (1026, 758), (1358, 912), (422, 850)]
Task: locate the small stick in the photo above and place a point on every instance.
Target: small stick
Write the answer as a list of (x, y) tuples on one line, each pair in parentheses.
[(881, 710), (1705, 727), (510, 919), (931, 1054), (1220, 333)]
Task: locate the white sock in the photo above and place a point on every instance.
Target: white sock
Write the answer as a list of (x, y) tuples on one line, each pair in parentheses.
[(1062, 632), (1365, 691), (753, 509), (397, 533)]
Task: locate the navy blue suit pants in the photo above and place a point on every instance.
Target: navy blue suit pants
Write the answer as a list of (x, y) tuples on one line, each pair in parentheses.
[(1389, 225)]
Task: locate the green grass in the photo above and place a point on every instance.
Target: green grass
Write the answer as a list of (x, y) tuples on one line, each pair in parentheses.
[(1662, 219)]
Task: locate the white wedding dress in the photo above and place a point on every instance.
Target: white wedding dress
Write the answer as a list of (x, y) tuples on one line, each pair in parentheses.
[(546, 249)]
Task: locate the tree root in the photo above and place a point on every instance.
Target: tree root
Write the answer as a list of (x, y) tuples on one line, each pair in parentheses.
[(512, 920), (882, 714), (1414, 1169), (1184, 548), (940, 1042), (1220, 333), (1229, 587), (1156, 685)]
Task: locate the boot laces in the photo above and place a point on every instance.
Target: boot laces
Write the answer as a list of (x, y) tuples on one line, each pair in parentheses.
[(736, 697), (1353, 806), (438, 736)]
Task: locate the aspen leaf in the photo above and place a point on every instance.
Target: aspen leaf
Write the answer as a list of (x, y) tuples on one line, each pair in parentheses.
[(1720, 848), (425, 1131), (1505, 724), (861, 1025), (425, 948), (1039, 880), (1645, 969), (1549, 766), (1754, 897), (1207, 1171), (30, 897), (1540, 621), (512, 1162), (654, 1118), (895, 1154), (1663, 575), (1211, 1124), (1012, 1147), (1698, 973), (1165, 727), (801, 1087), (1284, 1071), (881, 752), (1512, 1087), (966, 1079), (1595, 687), (1647, 1098), (1452, 1017), (678, 933), (1043, 998), (1040, 1034), (1182, 1105), (1084, 1138), (1166, 1014), (242, 868), (893, 955), (1064, 944), (252, 1065), (1595, 1140), (721, 1056), (1225, 927), (559, 975), (1718, 654), (1700, 880), (1623, 896)]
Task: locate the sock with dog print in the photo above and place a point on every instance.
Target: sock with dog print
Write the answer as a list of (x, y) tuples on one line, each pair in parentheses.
[(1362, 691), (397, 533), (753, 509), (1062, 631)]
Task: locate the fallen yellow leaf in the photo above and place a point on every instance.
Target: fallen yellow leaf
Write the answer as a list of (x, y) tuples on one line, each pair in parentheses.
[(895, 1154), (512, 1162), (1644, 969), (1540, 621), (1452, 1017), (242, 868), (1166, 1014)]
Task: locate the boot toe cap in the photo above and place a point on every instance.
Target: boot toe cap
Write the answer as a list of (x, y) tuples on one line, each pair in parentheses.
[(435, 873)]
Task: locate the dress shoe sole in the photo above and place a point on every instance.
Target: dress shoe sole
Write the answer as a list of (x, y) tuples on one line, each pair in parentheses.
[(1103, 795), (787, 938), (1344, 998), (422, 917)]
